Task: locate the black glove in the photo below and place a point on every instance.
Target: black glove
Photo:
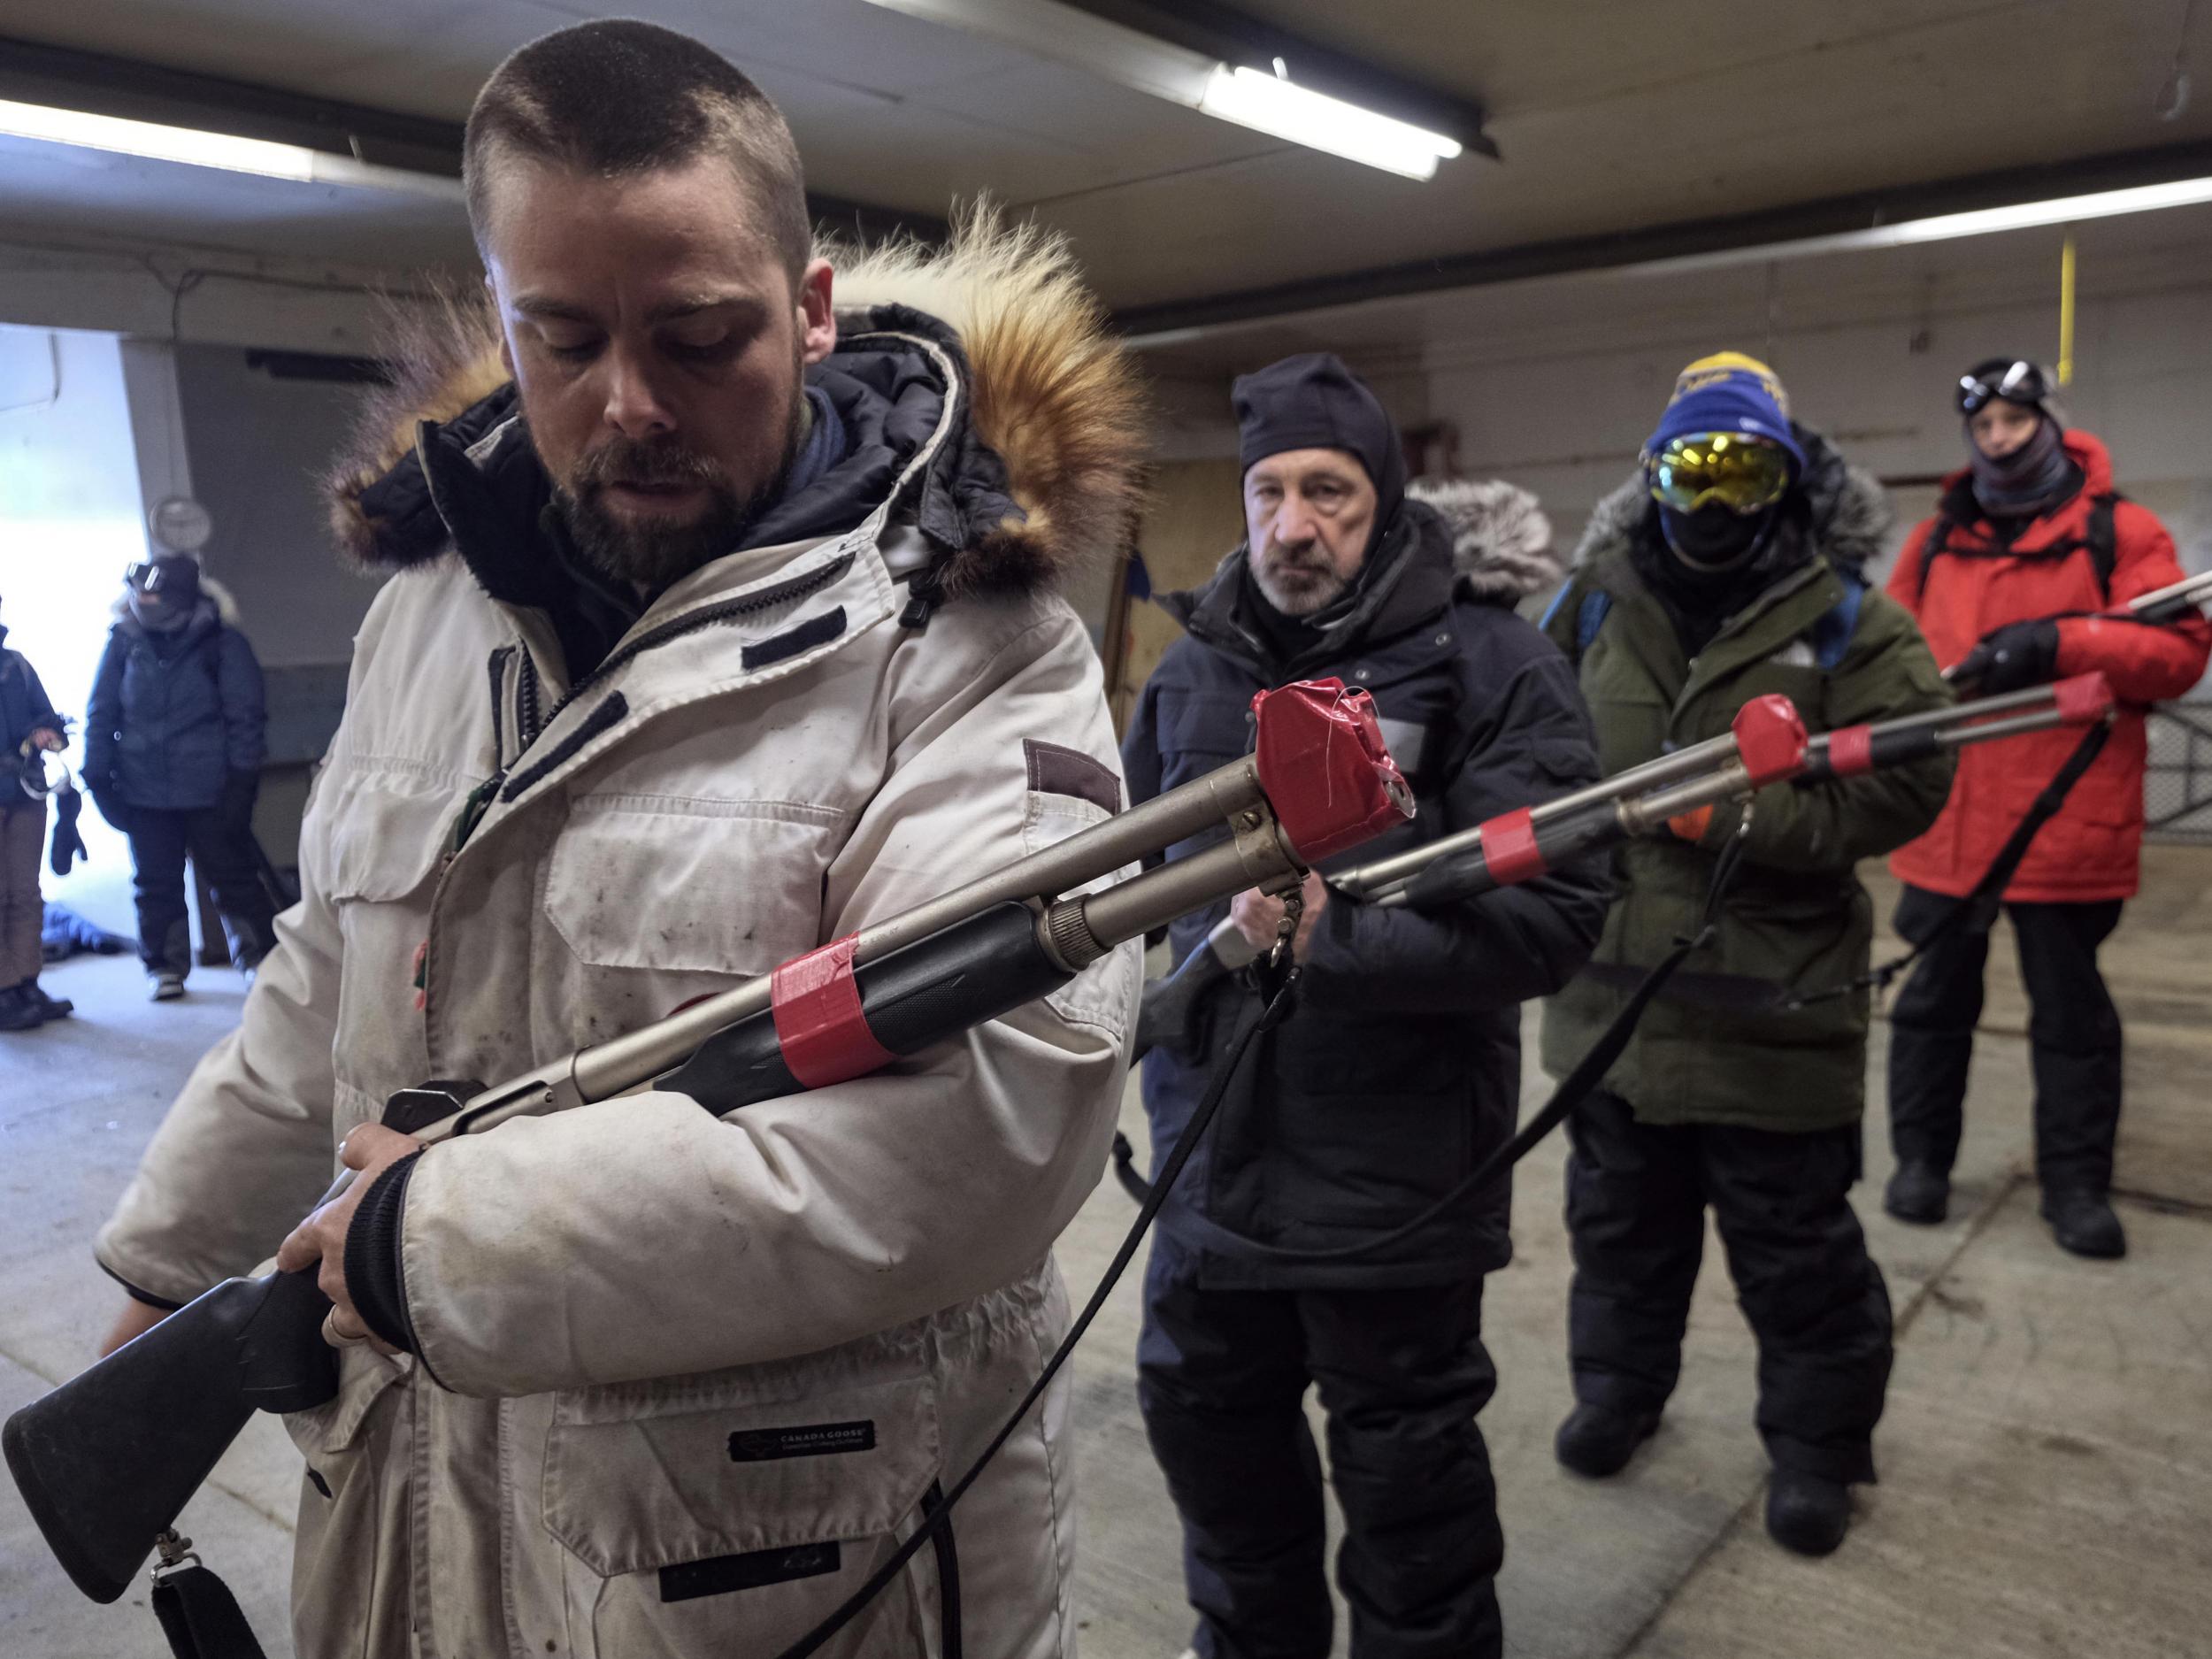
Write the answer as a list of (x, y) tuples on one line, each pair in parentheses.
[(68, 845), (236, 806), (2012, 659)]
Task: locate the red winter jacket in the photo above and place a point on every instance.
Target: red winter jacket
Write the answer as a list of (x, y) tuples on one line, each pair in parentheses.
[(2089, 851)]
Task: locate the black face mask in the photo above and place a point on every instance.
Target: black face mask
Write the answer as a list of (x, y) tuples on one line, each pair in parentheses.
[(1714, 538)]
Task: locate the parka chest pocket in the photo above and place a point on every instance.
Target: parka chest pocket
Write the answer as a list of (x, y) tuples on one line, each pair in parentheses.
[(699, 1518), (1200, 731), (676, 884), (387, 841)]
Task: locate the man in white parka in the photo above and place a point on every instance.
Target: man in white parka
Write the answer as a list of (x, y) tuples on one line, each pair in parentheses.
[(722, 628)]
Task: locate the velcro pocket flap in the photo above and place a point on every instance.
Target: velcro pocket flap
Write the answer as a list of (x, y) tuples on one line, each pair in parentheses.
[(385, 838), (636, 1481)]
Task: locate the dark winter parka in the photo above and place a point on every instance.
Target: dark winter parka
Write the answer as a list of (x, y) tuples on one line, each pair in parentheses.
[(25, 707), (172, 714), (1719, 1046), (1401, 1067)]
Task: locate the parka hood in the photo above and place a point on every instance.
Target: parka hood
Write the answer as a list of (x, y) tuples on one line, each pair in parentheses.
[(216, 602), (1848, 511), (1501, 545), (1052, 400)]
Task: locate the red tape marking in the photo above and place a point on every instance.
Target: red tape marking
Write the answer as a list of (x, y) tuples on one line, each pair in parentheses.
[(1851, 750), (1509, 848), (820, 1025), (2082, 698)]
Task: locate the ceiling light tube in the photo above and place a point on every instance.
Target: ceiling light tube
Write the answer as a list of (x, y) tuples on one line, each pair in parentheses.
[(1983, 221), (194, 148), (1269, 104)]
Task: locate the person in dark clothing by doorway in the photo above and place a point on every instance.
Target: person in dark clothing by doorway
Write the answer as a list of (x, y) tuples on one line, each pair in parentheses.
[(1728, 569), (1400, 1070), (2029, 541), (173, 744), (28, 728)]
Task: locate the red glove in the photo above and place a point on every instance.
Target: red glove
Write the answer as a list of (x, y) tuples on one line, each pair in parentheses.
[(1690, 825)]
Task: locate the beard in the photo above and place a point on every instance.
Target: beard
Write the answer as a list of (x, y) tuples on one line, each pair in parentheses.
[(1297, 580), (652, 552)]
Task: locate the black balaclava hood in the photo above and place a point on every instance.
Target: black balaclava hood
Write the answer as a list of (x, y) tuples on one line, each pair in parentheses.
[(1313, 402), (175, 593), (1716, 537)]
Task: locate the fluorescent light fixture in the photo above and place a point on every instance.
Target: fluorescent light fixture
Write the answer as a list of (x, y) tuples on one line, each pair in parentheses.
[(1271, 104), (2064, 210), (1983, 221), (194, 148)]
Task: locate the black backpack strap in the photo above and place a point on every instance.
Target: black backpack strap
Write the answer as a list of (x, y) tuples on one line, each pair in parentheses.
[(2103, 541), (1938, 541)]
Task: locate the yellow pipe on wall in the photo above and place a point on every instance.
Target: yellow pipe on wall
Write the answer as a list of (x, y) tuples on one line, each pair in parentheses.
[(2066, 312)]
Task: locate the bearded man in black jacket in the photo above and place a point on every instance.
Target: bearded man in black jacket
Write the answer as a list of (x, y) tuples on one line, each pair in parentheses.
[(1399, 1073)]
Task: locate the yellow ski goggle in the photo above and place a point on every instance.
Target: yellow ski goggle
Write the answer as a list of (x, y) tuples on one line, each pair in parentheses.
[(1739, 472)]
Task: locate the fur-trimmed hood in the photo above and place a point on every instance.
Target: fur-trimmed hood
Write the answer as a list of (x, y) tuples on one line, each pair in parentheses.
[(1050, 395), (1847, 511), (1502, 544)]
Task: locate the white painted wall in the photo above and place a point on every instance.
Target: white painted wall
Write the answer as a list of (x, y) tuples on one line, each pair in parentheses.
[(1872, 366), (259, 447)]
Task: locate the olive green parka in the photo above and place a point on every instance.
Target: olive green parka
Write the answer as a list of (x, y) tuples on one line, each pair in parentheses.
[(1721, 1045)]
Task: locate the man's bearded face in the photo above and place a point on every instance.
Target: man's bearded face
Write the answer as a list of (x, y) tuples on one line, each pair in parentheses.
[(660, 348), (651, 512)]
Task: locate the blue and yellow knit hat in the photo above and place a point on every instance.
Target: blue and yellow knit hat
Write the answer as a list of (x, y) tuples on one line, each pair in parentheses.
[(1728, 392)]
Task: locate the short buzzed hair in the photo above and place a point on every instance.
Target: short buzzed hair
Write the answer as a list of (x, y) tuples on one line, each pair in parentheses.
[(618, 97)]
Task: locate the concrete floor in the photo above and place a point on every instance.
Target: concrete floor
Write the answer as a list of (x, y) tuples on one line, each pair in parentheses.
[(2046, 1455)]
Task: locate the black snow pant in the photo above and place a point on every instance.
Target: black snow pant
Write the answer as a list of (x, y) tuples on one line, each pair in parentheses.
[(1636, 1199), (2073, 1037), (1222, 1375), (159, 839)]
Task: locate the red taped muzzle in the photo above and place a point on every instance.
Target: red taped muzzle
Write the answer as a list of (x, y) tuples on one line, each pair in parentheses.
[(1325, 768), (1770, 739)]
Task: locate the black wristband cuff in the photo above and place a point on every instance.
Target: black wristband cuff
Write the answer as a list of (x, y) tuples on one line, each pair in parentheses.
[(372, 1267)]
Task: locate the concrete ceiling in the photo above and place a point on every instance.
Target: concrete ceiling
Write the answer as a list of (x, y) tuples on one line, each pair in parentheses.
[(1612, 114)]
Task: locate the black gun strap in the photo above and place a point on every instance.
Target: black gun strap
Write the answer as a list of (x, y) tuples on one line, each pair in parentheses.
[(201, 1617), (1278, 1005), (1979, 908)]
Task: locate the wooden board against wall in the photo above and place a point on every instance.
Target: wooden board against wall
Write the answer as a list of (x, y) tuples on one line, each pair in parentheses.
[(1196, 515)]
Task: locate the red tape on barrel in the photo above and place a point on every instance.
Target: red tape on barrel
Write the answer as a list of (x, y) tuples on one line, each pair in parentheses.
[(2082, 698), (1851, 750), (820, 1025), (1509, 848)]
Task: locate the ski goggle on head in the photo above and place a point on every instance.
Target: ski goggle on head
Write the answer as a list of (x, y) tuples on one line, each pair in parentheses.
[(1729, 469), (2017, 382)]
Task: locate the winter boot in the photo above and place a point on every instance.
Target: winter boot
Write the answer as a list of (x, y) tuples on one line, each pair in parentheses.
[(17, 1012), (1598, 1441), (49, 1006), (2084, 1224), (1918, 1193), (1807, 1513)]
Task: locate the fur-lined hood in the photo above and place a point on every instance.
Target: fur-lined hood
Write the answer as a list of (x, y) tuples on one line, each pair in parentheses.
[(1848, 511), (1502, 544), (1049, 393)]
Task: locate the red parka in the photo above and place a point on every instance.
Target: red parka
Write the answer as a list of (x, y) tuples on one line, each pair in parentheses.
[(2089, 851)]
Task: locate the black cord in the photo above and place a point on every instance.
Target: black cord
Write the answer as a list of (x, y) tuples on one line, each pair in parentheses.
[(1573, 1089), (1979, 906), (1270, 1015)]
